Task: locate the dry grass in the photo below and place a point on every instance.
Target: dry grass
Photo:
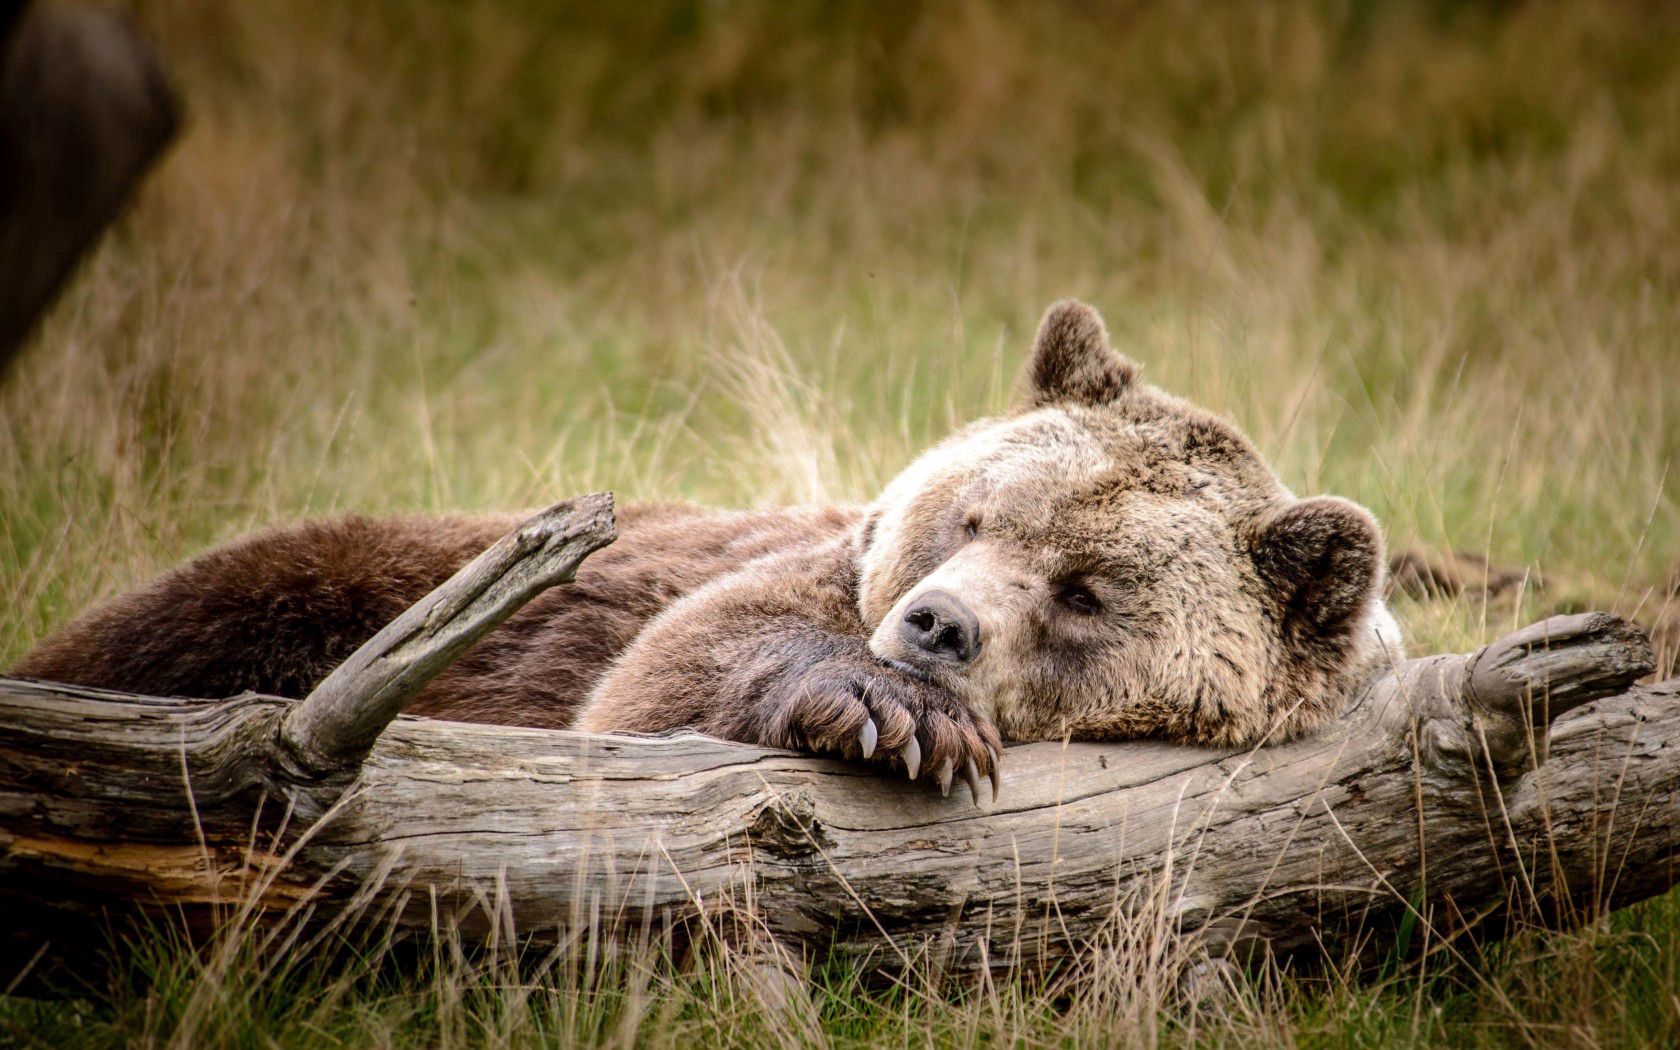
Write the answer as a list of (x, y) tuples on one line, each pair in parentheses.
[(485, 254)]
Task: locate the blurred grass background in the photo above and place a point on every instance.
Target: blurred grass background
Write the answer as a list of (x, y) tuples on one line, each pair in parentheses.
[(487, 253)]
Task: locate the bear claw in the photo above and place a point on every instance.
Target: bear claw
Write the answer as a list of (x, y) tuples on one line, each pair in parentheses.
[(972, 776), (912, 757), (996, 773), (945, 772), (867, 737)]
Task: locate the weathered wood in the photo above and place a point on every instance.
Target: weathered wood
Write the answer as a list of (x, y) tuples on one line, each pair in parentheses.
[(336, 723), (1399, 805)]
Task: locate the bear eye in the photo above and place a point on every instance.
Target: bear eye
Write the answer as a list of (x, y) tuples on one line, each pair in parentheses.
[(1079, 598)]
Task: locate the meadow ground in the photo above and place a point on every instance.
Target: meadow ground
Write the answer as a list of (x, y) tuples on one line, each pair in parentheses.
[(482, 254)]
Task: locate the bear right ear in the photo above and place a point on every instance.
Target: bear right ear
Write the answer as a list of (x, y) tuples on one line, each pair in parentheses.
[(1322, 559), (1071, 360)]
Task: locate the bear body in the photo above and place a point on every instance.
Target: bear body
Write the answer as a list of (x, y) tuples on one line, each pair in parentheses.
[(1104, 562), (276, 611)]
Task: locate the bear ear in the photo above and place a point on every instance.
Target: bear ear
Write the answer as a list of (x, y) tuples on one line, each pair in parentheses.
[(1322, 559), (1071, 360)]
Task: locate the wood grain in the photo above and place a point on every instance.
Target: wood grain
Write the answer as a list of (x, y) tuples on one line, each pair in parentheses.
[(1309, 843)]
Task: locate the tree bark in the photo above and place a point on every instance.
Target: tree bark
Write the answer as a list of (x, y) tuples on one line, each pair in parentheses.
[(1533, 773)]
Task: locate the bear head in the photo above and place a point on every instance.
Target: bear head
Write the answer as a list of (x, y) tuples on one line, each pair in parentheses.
[(1107, 561)]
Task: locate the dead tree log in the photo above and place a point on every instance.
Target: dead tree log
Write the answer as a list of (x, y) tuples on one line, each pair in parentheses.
[(1533, 771)]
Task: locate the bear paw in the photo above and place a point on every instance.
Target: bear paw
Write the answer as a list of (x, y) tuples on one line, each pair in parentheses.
[(873, 713)]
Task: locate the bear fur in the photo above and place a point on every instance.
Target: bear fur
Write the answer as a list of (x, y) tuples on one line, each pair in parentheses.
[(1104, 562)]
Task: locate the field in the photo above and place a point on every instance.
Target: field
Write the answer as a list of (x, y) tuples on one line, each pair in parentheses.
[(485, 254)]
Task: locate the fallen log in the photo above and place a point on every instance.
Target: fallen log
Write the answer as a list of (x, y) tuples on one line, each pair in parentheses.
[(1533, 772)]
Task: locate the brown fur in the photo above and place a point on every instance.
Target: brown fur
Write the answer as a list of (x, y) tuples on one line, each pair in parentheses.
[(1134, 569), (277, 611)]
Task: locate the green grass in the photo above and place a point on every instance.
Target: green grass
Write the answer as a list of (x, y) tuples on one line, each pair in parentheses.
[(482, 254)]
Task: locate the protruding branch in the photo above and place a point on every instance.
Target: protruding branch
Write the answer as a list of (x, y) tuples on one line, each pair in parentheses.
[(337, 723), (1497, 705)]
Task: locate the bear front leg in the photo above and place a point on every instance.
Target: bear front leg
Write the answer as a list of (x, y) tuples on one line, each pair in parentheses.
[(775, 655)]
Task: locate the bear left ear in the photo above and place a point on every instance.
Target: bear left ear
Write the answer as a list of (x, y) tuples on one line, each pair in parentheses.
[(1071, 360), (1322, 558)]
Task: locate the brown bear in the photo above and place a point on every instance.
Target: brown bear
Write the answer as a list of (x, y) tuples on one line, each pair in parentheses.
[(1103, 562)]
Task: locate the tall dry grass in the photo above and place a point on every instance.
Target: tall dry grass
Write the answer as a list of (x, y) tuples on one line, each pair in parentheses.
[(483, 254)]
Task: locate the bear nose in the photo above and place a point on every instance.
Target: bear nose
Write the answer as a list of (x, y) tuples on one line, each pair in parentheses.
[(940, 625)]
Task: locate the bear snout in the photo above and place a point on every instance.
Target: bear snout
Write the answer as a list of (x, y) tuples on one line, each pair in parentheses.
[(939, 625)]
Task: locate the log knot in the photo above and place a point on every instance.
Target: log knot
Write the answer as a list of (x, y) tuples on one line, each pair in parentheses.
[(786, 827)]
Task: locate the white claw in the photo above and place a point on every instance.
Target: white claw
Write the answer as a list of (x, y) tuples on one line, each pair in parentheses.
[(997, 774), (972, 776), (912, 758), (867, 737), (945, 772)]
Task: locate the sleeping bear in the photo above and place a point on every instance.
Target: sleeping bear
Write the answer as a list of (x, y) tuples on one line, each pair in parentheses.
[(1103, 562)]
